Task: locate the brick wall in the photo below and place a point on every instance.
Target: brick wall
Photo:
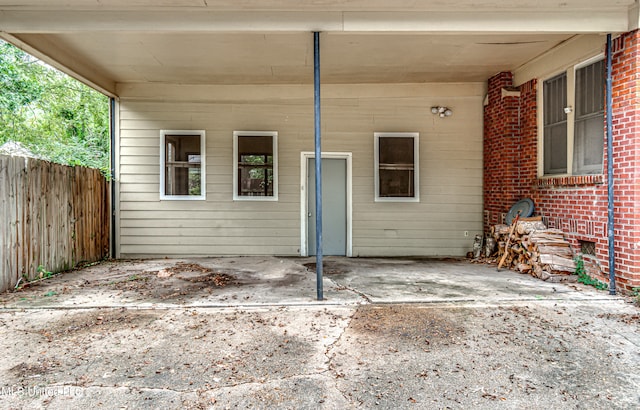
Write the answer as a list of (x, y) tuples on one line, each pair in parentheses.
[(501, 141), (626, 157), (577, 205)]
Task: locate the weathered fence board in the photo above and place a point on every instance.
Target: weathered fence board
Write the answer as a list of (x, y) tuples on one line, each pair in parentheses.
[(51, 215)]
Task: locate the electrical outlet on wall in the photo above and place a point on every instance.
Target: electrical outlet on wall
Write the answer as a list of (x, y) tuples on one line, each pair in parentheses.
[(466, 233)]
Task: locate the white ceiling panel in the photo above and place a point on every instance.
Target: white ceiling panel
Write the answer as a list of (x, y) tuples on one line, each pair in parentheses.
[(287, 58)]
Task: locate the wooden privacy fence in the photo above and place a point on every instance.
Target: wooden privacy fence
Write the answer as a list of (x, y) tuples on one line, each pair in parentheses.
[(51, 216)]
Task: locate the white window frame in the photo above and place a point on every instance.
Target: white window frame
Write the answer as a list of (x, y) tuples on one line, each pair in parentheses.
[(571, 103), (203, 165), (416, 167), (237, 134)]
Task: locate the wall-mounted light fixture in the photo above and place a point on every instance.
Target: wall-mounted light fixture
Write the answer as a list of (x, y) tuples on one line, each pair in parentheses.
[(441, 111)]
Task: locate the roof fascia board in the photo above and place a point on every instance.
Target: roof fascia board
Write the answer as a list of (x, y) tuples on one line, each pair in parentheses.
[(492, 22), (499, 21), (310, 5)]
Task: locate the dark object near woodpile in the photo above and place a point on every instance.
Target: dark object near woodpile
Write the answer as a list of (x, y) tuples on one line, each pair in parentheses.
[(489, 246), (523, 207), (477, 247)]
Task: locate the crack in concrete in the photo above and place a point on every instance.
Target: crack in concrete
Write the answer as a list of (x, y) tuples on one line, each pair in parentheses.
[(141, 388), (354, 290), (197, 391), (320, 373), (330, 347), (202, 391)]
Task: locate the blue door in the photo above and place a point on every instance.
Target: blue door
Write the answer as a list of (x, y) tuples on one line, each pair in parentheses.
[(334, 206)]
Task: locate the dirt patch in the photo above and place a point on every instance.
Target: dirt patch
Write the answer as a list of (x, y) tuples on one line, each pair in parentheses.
[(405, 322), (218, 279), (41, 366), (627, 319), (133, 282), (174, 282), (194, 273), (328, 268), (202, 274), (94, 322), (162, 281)]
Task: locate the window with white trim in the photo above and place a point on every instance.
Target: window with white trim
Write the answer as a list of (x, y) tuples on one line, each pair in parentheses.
[(555, 125), (255, 170), (573, 121), (182, 164), (396, 167)]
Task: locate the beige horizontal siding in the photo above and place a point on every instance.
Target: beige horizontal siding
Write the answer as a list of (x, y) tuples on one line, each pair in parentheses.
[(217, 194), (450, 168), (185, 251), (166, 224), (200, 236)]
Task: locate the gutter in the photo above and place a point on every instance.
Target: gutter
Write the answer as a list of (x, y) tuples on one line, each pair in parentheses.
[(610, 213), (318, 163)]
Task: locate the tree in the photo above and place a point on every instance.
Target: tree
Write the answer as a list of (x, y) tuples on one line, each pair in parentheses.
[(50, 113)]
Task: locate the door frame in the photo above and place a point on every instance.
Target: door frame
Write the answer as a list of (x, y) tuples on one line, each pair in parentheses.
[(305, 156)]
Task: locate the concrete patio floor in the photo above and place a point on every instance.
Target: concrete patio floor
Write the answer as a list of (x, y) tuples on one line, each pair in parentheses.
[(249, 333), (265, 281)]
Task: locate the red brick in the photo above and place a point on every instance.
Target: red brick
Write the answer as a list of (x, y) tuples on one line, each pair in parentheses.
[(510, 165)]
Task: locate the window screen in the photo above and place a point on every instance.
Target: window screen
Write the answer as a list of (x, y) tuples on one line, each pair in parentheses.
[(255, 161), (587, 248), (396, 167), (589, 119), (555, 125), (182, 165)]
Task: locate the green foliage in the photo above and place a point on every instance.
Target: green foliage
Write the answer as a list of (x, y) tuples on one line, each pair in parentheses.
[(195, 181), (579, 265), (586, 279), (635, 292), (51, 114), (43, 273)]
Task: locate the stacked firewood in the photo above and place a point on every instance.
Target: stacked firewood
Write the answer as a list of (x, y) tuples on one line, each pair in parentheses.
[(533, 249)]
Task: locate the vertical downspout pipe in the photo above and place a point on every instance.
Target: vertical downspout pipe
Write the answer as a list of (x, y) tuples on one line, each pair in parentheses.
[(112, 136), (610, 226), (318, 161)]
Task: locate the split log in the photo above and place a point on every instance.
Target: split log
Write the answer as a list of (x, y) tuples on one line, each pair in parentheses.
[(501, 229), (534, 249), (526, 227)]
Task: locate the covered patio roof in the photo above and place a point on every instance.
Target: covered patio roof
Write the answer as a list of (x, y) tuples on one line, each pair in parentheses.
[(269, 42)]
